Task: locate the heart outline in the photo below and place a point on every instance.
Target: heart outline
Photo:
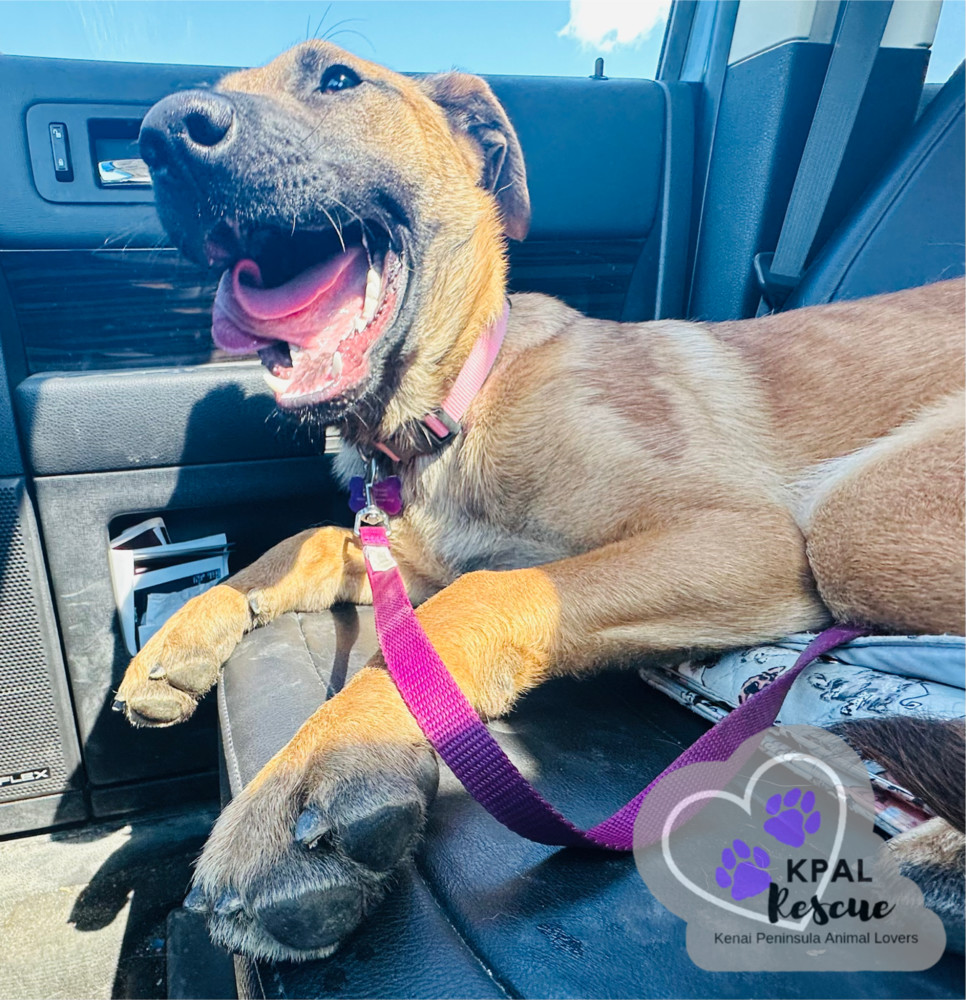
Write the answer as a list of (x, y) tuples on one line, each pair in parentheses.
[(745, 804)]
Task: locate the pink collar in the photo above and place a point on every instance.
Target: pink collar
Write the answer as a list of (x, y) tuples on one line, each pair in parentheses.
[(444, 422)]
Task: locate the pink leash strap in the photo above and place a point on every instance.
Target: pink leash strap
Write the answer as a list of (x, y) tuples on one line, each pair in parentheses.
[(459, 736)]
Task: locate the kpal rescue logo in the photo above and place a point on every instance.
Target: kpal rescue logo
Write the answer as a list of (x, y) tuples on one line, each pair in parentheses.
[(772, 860)]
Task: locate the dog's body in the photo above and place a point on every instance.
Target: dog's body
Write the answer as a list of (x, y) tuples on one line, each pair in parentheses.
[(641, 489)]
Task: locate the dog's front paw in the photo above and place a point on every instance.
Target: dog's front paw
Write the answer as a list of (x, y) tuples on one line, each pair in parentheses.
[(309, 847), (179, 663)]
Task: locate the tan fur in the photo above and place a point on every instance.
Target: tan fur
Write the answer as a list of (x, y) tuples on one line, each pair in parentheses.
[(935, 844), (620, 491), (933, 856), (886, 539), (648, 468), (467, 275)]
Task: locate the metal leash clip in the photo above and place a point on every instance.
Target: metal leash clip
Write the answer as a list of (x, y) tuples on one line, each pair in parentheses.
[(370, 514)]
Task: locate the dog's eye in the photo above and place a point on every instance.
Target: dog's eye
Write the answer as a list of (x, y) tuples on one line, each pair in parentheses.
[(338, 78)]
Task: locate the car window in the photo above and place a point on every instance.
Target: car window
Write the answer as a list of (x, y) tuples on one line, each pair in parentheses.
[(949, 46), (517, 37), (136, 302)]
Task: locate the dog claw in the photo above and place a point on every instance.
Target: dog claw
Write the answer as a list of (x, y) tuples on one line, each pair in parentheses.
[(227, 904), (253, 602), (157, 673), (195, 900), (118, 705), (310, 827)]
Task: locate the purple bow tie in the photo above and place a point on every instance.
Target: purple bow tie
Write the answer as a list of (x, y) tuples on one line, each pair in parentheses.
[(386, 494)]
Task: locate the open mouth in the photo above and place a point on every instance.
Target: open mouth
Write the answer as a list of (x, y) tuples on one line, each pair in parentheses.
[(312, 305)]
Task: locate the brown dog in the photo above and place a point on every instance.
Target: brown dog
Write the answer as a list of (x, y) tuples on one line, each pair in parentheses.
[(639, 489)]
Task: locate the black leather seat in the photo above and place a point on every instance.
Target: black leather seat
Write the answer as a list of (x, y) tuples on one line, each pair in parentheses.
[(484, 913), (481, 912)]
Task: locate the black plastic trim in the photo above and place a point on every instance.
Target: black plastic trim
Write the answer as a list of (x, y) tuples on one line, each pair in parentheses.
[(27, 815), (155, 417)]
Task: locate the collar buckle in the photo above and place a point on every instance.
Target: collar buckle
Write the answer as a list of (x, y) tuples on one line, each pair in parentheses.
[(441, 425)]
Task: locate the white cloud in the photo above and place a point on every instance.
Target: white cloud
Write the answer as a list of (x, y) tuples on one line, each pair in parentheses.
[(604, 24)]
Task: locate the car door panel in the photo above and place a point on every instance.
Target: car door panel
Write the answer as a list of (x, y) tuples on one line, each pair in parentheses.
[(103, 421), (255, 503), (40, 776)]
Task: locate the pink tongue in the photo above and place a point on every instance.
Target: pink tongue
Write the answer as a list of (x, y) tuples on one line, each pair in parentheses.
[(247, 317), (301, 291)]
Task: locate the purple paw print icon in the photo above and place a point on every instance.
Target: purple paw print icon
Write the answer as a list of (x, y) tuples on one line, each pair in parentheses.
[(792, 817), (743, 871)]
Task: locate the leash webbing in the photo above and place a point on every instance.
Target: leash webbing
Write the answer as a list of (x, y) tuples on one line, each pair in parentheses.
[(459, 736)]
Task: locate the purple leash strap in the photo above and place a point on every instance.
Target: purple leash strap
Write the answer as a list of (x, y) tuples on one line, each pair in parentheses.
[(457, 733)]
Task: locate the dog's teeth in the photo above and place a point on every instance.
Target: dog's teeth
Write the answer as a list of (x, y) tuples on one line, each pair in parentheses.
[(359, 325), (275, 383), (337, 364), (373, 288)]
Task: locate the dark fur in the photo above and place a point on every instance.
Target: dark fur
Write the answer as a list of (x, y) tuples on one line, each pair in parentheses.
[(925, 756)]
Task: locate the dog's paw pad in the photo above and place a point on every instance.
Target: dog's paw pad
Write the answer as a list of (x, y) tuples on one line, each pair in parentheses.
[(378, 840), (317, 919)]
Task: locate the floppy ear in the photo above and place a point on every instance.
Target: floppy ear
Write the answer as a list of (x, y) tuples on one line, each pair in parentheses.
[(472, 109)]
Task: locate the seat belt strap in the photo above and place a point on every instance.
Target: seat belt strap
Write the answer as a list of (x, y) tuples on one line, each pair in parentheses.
[(861, 27)]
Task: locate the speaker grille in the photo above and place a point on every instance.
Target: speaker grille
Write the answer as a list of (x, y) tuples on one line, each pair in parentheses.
[(30, 737)]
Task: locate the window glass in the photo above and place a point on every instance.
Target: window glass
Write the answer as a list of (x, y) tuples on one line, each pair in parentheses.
[(538, 37), (950, 43)]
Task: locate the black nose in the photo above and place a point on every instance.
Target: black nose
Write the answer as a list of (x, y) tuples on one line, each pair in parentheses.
[(194, 121)]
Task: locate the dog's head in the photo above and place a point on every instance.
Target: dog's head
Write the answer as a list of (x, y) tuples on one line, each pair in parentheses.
[(359, 216)]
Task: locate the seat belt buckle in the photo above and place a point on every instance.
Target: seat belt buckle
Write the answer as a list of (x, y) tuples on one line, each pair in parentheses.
[(775, 288)]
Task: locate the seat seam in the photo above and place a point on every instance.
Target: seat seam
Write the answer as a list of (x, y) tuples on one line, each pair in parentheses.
[(231, 757), (327, 684), (445, 914)]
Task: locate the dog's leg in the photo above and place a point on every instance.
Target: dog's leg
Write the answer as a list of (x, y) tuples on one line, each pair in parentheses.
[(933, 855), (309, 846), (885, 529), (308, 572)]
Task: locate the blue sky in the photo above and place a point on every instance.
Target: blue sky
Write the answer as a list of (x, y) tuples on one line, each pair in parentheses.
[(484, 36), (487, 36)]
